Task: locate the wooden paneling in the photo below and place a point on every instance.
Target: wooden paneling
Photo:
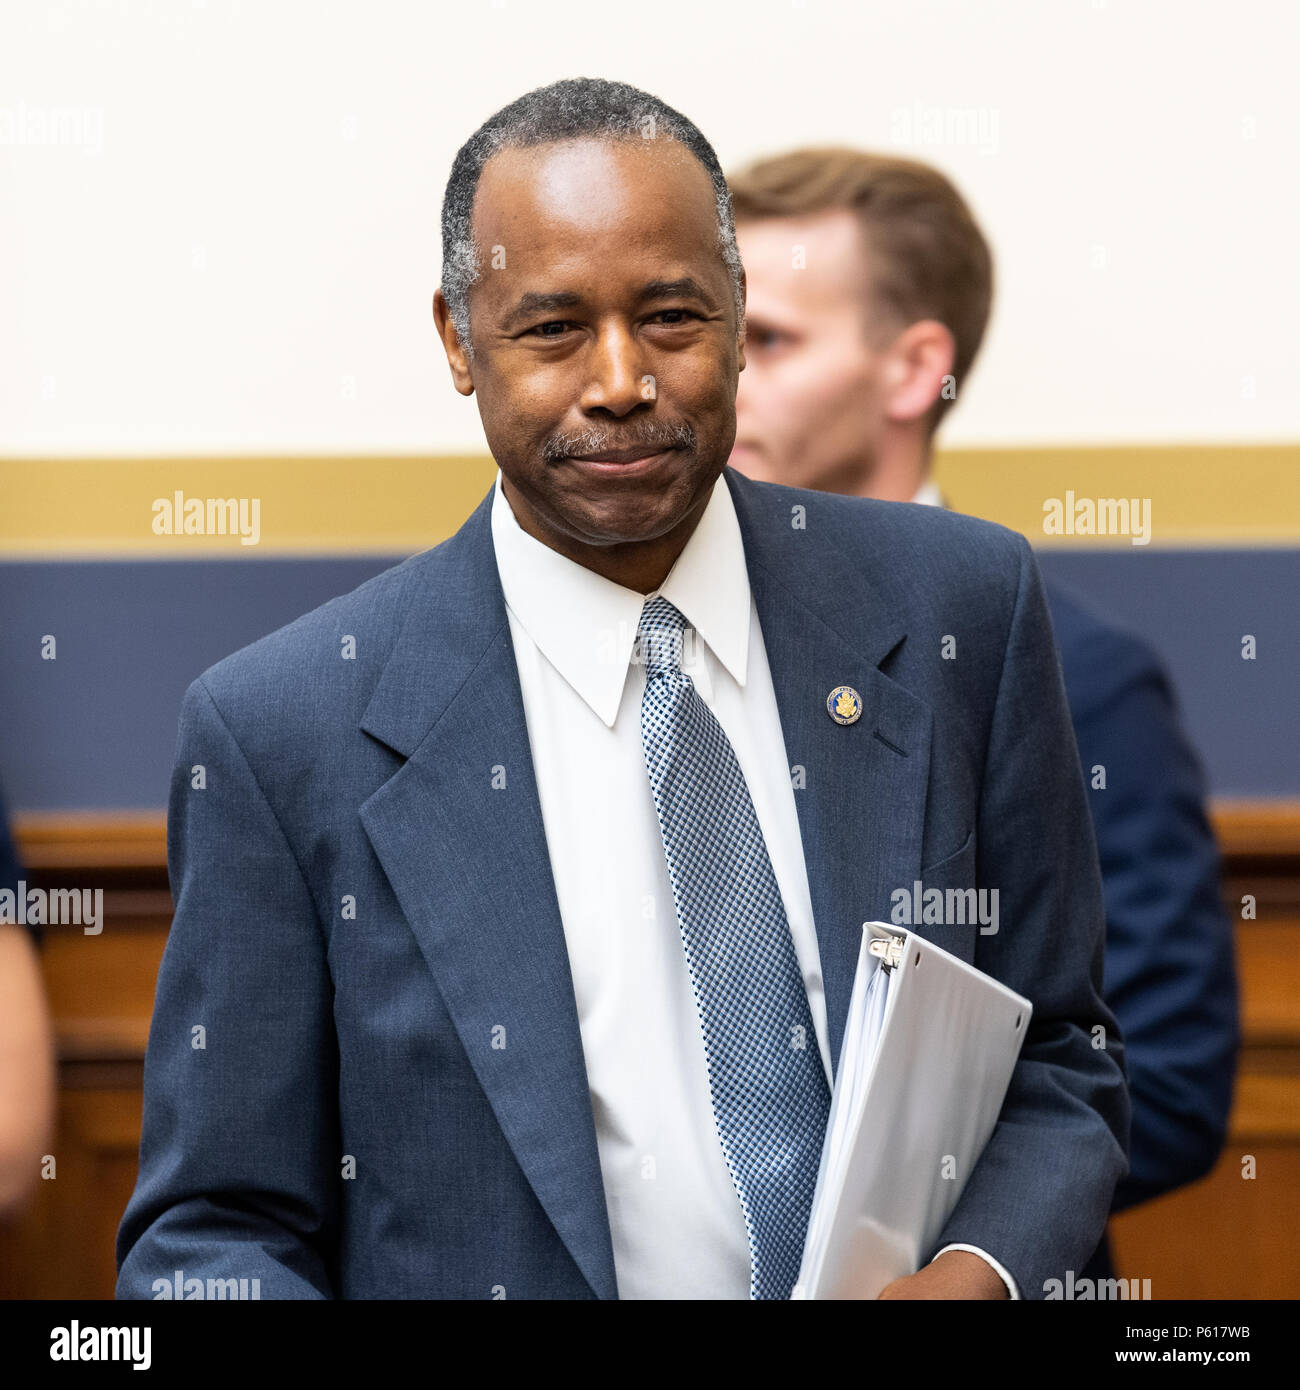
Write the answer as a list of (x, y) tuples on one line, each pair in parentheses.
[(63, 1245), (1226, 1236), (1231, 1235), (1269, 964), (101, 991)]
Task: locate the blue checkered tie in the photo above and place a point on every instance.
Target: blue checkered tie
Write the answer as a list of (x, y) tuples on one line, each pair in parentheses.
[(770, 1098)]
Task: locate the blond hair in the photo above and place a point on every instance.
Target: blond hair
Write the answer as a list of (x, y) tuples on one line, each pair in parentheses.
[(927, 255)]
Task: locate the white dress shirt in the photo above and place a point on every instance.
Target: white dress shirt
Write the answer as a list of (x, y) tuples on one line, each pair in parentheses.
[(675, 1219)]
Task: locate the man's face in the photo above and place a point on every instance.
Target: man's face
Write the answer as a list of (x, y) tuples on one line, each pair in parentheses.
[(605, 337), (810, 407)]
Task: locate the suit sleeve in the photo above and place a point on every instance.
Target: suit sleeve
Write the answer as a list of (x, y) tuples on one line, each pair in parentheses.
[(239, 1149), (1038, 1197), (1170, 973)]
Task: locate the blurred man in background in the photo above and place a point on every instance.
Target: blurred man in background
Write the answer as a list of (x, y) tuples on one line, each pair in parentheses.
[(869, 288)]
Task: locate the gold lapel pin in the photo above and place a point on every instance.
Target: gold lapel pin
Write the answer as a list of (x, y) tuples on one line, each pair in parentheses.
[(844, 705)]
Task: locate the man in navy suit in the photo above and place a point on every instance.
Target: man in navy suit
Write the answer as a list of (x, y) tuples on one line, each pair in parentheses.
[(519, 892), (854, 357)]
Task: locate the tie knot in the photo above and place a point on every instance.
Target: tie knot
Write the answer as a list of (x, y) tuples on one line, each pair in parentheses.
[(659, 637)]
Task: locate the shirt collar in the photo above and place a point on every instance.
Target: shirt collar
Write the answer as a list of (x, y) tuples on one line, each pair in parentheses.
[(929, 494), (585, 625)]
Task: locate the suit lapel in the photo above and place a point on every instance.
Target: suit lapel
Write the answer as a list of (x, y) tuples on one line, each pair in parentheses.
[(861, 807), (458, 830)]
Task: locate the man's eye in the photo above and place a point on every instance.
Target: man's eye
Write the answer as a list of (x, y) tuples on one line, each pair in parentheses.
[(763, 338), (675, 316), (553, 329)]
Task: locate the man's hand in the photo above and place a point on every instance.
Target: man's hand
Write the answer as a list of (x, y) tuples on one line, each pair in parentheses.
[(955, 1274)]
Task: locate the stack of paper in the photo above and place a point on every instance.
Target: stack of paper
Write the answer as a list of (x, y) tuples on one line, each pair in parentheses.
[(929, 1047)]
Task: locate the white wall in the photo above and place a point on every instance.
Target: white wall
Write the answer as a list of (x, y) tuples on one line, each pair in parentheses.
[(233, 244)]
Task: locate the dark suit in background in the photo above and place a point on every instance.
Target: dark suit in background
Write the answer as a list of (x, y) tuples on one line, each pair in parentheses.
[(1170, 974)]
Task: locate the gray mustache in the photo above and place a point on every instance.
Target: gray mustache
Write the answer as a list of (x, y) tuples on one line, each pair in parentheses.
[(594, 440)]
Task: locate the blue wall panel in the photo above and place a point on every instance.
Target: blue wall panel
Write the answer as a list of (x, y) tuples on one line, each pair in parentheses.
[(96, 728)]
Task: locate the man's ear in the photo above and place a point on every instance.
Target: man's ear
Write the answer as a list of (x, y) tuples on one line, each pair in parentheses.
[(740, 327), (918, 366), (456, 358)]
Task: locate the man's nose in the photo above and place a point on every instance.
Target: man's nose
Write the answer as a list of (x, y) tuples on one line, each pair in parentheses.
[(618, 377)]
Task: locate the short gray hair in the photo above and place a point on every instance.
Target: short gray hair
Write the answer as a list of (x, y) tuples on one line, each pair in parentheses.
[(568, 110)]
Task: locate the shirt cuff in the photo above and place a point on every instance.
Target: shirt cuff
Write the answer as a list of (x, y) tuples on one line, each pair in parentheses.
[(984, 1255)]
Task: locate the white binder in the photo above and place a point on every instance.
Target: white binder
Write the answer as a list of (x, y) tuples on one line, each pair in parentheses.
[(928, 1051)]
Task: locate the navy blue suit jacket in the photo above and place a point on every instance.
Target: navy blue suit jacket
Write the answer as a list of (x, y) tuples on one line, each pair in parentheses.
[(1170, 974), (365, 913)]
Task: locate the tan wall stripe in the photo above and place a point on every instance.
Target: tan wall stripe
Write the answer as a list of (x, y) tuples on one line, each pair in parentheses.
[(1204, 495)]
